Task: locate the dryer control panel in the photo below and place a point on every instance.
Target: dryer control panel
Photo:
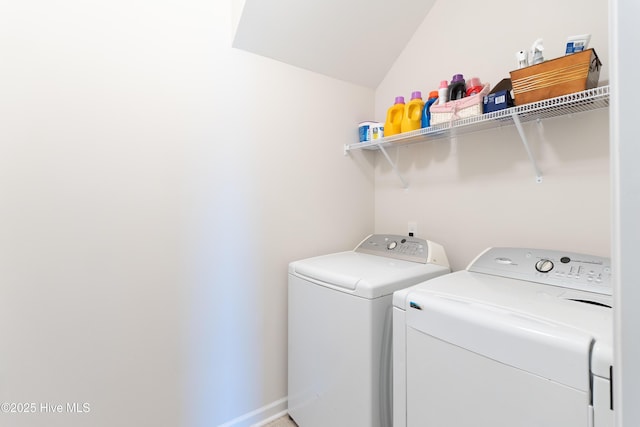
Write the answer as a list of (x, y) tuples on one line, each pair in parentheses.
[(394, 246), (565, 269)]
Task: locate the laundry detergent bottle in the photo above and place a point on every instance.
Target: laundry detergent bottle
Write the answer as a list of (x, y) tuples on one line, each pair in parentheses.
[(395, 113), (413, 113), (474, 86), (457, 88), (426, 114), (443, 92)]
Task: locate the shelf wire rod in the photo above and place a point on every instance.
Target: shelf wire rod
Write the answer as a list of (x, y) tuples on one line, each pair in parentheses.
[(525, 142), (405, 185)]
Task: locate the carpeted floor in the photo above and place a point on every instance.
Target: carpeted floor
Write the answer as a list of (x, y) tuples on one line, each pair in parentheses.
[(282, 422)]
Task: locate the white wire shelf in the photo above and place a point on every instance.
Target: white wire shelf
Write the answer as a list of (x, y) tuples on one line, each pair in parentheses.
[(579, 102), (588, 100)]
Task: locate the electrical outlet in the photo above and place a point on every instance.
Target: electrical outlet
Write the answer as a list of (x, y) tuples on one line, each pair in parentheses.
[(413, 228)]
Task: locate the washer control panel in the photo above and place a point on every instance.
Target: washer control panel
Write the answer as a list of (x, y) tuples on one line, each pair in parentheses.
[(568, 270), (395, 246)]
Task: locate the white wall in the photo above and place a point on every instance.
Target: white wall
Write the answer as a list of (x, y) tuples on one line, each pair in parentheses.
[(154, 184), (479, 190)]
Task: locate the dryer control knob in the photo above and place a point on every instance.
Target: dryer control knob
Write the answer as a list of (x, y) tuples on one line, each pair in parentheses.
[(544, 266), (392, 245)]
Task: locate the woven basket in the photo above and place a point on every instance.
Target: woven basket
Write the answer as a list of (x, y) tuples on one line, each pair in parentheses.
[(459, 109), (557, 77)]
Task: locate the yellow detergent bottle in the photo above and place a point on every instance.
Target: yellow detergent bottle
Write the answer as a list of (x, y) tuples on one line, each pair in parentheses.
[(395, 114), (413, 113)]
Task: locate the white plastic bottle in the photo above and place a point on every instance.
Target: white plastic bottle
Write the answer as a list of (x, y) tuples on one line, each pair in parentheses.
[(443, 92)]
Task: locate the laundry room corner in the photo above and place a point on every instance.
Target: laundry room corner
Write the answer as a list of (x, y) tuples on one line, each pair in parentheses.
[(473, 190), (271, 185)]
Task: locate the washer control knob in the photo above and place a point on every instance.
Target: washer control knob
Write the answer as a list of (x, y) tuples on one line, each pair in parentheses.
[(544, 266), (392, 245)]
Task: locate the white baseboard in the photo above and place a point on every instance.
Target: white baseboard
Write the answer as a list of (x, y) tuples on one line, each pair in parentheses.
[(271, 418), (260, 416)]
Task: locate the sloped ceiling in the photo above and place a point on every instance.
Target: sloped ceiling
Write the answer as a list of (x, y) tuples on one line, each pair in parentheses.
[(352, 40)]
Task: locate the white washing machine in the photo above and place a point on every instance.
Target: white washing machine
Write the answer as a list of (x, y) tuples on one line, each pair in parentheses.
[(522, 338), (340, 328)]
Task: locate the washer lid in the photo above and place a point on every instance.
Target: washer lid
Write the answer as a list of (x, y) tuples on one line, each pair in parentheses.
[(539, 328), (332, 269), (362, 274), (550, 350)]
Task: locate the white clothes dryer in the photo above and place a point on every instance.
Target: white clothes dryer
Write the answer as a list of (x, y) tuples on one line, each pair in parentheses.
[(521, 338), (340, 328)]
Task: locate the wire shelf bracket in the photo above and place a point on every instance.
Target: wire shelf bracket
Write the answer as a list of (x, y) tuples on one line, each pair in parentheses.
[(525, 142)]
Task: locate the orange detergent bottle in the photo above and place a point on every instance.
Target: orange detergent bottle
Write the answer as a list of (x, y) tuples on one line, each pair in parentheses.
[(413, 113), (395, 113)]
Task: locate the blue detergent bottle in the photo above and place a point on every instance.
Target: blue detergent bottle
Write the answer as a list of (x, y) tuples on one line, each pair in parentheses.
[(426, 113)]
